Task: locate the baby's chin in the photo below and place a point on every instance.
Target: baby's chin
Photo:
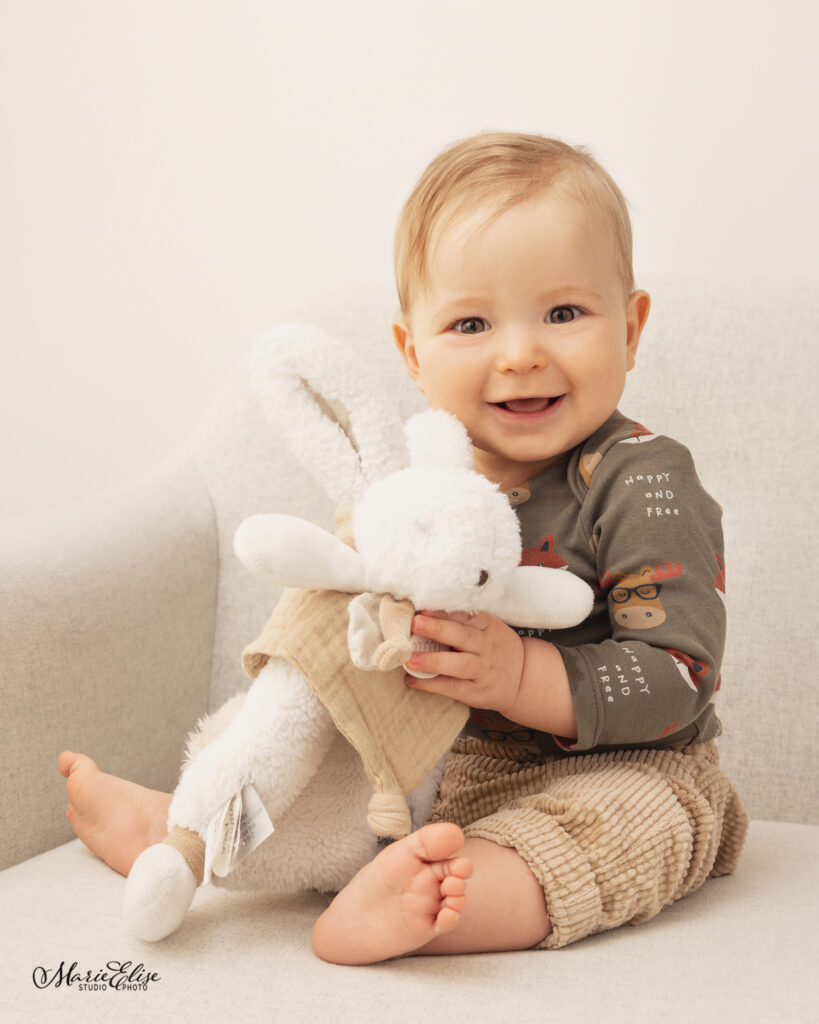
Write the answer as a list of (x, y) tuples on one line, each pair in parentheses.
[(509, 470)]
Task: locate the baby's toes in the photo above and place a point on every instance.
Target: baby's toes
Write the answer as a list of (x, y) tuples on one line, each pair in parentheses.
[(453, 896), (79, 770), (458, 867), (453, 885), (449, 915), (68, 762), (436, 843)]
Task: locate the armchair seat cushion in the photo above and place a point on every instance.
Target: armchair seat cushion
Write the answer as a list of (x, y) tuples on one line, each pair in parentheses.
[(742, 948)]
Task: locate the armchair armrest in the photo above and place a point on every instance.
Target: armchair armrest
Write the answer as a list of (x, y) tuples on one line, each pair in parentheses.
[(107, 617)]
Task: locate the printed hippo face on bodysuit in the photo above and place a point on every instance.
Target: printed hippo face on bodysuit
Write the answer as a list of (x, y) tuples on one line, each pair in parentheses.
[(636, 596)]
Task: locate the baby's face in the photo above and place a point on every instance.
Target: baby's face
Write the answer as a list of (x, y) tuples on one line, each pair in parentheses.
[(524, 334)]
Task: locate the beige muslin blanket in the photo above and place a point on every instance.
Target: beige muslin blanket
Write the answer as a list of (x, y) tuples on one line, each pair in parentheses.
[(399, 733)]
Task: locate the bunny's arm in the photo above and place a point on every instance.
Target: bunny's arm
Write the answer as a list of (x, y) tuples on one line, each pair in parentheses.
[(541, 598), (296, 553)]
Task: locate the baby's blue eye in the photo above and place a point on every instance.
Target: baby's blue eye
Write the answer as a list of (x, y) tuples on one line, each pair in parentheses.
[(469, 320), (563, 314)]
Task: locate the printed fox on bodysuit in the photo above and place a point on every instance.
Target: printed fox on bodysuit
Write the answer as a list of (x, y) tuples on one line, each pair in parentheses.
[(544, 554)]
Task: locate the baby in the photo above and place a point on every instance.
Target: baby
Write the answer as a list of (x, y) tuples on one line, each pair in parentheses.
[(585, 791)]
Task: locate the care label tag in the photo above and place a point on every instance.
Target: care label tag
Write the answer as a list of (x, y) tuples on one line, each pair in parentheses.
[(254, 825), (236, 829)]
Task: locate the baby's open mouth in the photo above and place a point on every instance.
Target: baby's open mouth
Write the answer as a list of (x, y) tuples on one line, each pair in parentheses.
[(527, 404)]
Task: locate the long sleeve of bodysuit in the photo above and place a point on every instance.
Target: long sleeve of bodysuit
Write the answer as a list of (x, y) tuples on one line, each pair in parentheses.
[(655, 537)]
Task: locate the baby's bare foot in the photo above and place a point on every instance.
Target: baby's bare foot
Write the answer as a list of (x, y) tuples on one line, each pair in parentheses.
[(411, 892), (116, 819)]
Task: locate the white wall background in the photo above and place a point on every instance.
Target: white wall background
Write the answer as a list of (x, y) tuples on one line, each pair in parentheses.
[(173, 171)]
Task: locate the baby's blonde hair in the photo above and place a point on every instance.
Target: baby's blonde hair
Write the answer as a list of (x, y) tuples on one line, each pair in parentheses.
[(492, 172)]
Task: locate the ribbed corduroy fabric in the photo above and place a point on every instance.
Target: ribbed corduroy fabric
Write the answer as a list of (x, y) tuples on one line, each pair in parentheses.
[(612, 837)]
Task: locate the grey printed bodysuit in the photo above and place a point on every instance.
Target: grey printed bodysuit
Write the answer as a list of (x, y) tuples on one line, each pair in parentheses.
[(627, 513)]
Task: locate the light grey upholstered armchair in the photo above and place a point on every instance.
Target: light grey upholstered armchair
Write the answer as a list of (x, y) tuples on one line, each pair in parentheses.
[(122, 619)]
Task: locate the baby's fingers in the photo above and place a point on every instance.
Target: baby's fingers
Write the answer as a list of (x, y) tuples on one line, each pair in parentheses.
[(457, 664), (446, 686), (457, 630)]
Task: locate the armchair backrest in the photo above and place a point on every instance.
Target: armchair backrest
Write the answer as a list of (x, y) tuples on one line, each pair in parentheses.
[(725, 367)]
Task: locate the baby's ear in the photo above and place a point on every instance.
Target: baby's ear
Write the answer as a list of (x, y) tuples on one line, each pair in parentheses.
[(438, 438), (404, 343)]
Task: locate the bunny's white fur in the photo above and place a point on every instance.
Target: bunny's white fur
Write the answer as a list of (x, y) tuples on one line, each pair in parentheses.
[(434, 532), (426, 527)]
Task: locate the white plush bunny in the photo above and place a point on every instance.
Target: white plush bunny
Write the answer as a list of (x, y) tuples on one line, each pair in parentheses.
[(428, 532)]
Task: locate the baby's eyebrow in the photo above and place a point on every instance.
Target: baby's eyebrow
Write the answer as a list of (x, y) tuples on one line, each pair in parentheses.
[(574, 291), (458, 304), (560, 294)]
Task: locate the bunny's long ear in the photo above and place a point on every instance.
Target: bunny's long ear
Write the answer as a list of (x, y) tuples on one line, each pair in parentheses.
[(302, 375), (294, 553)]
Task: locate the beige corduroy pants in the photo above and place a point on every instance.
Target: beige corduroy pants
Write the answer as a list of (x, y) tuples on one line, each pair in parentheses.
[(612, 837)]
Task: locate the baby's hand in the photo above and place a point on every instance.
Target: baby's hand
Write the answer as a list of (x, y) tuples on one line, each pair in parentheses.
[(484, 667)]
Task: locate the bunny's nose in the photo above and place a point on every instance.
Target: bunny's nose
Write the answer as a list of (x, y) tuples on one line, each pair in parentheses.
[(484, 576)]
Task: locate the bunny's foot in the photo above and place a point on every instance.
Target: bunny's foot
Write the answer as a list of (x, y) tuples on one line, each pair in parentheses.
[(411, 892), (159, 890), (115, 818)]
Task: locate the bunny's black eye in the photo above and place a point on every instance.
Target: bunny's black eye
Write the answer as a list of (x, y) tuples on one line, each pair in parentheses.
[(484, 576)]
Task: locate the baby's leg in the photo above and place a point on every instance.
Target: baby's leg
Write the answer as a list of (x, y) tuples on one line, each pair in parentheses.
[(411, 899), (116, 819)]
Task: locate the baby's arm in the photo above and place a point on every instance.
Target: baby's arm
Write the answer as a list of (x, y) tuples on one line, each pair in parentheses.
[(658, 542), (491, 667)]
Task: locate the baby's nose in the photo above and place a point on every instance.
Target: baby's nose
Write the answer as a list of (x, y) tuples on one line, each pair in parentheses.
[(520, 352)]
